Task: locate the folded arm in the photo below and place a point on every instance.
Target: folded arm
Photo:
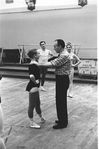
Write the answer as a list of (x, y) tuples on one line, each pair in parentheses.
[(32, 77)]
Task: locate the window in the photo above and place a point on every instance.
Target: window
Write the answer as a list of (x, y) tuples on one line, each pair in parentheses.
[(9, 1)]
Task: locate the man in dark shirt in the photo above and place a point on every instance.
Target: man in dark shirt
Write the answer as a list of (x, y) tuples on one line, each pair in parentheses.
[(62, 65)]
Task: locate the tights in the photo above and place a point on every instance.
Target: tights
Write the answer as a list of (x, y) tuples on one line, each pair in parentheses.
[(34, 102)]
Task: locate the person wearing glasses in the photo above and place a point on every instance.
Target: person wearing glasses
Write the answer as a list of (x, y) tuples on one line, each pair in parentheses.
[(75, 61), (62, 65), (45, 54)]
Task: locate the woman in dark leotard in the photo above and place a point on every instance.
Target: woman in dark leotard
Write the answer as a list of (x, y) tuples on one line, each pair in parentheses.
[(33, 88)]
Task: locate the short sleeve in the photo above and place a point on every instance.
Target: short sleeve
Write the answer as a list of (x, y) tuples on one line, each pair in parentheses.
[(31, 69)]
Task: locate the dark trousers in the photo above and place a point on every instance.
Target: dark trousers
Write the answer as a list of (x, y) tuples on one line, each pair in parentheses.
[(43, 71), (62, 84)]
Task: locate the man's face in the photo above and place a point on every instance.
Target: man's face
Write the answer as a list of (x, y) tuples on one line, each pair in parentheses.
[(57, 47), (37, 56), (43, 45)]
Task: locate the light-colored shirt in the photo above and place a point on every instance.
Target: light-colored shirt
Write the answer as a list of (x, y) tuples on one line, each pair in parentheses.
[(44, 55), (62, 64)]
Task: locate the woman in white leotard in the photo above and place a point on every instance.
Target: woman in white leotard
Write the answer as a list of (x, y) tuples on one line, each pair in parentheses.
[(75, 61)]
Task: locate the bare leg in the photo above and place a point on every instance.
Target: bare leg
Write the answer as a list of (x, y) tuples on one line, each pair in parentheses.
[(71, 83)]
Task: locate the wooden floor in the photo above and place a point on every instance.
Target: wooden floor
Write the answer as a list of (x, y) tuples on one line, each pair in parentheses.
[(81, 132)]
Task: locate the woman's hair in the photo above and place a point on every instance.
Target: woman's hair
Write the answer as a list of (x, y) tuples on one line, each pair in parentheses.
[(32, 53), (68, 45), (42, 42)]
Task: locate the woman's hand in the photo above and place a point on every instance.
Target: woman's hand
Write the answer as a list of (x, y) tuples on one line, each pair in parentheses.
[(37, 81), (32, 77), (72, 65)]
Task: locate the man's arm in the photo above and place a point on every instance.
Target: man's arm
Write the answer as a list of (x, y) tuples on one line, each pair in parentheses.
[(47, 64), (52, 58)]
